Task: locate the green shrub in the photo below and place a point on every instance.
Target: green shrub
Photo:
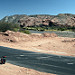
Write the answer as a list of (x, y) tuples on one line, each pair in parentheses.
[(25, 31), (15, 29), (8, 26)]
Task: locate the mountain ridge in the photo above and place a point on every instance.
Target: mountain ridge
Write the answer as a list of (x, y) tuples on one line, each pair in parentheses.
[(43, 19)]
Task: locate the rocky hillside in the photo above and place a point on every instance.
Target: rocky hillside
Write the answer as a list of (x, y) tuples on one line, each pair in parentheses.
[(13, 18), (36, 20)]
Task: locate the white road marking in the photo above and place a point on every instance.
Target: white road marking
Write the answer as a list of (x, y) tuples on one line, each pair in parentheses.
[(70, 63), (52, 66), (21, 55), (44, 57), (48, 65)]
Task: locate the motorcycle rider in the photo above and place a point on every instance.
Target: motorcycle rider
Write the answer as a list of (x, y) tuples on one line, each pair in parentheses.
[(3, 59)]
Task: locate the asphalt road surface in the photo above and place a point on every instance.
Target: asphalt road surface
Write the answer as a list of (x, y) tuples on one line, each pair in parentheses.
[(60, 65)]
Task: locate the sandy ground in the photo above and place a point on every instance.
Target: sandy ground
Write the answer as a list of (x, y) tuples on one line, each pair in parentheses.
[(56, 45), (9, 69), (45, 44)]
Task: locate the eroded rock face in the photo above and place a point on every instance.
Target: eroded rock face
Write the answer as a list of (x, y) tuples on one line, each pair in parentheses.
[(64, 20), (30, 21), (37, 20), (59, 20)]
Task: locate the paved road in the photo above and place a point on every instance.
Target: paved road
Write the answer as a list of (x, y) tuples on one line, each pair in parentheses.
[(61, 65)]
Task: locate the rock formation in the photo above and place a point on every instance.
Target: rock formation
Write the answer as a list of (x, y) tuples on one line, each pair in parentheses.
[(37, 20)]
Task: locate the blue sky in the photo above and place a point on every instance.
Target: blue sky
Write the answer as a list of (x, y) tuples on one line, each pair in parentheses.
[(31, 7)]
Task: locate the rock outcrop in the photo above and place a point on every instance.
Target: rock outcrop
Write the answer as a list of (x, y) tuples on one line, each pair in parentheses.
[(67, 20)]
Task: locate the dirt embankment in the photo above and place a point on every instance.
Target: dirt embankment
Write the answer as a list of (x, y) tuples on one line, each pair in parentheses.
[(9, 69), (46, 42)]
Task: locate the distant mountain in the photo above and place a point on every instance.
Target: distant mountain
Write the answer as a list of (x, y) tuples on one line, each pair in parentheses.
[(33, 20), (13, 18)]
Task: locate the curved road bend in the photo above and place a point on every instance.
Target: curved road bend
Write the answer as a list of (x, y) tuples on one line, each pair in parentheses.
[(61, 65)]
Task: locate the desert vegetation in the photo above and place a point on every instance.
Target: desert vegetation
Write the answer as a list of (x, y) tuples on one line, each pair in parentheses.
[(4, 26), (48, 28)]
